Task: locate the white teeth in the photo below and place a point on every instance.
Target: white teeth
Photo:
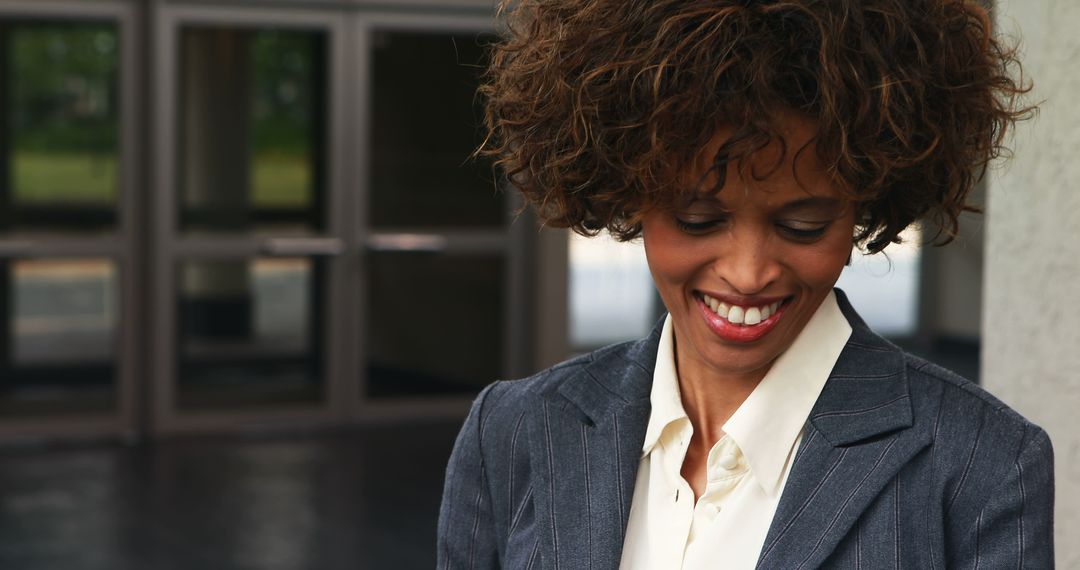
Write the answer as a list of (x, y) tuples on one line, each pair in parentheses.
[(735, 315), (753, 316)]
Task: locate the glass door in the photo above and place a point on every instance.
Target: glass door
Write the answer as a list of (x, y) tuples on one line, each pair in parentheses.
[(248, 215), (67, 196), (443, 275)]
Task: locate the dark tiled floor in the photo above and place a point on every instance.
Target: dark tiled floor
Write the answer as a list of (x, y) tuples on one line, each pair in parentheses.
[(364, 499)]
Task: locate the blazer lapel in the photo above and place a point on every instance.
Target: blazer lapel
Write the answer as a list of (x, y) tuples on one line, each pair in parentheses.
[(854, 443), (587, 437)]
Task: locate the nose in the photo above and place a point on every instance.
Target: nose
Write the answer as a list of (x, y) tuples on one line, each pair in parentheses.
[(748, 265)]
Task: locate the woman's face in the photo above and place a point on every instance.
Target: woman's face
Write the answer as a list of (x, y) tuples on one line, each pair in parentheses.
[(742, 271)]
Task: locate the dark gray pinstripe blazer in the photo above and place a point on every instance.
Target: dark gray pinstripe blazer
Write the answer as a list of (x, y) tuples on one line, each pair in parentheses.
[(902, 465)]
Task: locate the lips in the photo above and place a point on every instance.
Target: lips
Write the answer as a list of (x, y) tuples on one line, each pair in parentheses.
[(741, 321)]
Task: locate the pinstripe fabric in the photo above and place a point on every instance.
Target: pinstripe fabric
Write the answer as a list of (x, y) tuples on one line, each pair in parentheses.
[(902, 465)]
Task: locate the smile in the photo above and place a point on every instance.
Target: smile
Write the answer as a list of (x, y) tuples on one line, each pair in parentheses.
[(740, 323), (737, 315)]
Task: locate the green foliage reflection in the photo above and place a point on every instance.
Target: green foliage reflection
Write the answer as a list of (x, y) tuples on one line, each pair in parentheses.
[(62, 111), (283, 118)]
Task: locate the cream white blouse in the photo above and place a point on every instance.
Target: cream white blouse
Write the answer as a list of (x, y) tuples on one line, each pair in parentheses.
[(747, 468)]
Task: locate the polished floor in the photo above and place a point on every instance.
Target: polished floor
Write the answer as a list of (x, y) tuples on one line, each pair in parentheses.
[(366, 498), (362, 499)]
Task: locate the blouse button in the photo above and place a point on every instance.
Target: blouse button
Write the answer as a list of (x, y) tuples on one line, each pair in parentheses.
[(728, 461)]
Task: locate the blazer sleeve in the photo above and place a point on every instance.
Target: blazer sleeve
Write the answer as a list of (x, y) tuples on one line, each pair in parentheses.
[(466, 532), (1015, 528)]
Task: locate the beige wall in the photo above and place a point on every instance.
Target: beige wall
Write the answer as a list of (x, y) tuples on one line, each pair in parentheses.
[(1031, 329)]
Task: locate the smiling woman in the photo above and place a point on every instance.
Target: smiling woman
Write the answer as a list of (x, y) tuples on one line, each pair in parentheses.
[(761, 424), (742, 268)]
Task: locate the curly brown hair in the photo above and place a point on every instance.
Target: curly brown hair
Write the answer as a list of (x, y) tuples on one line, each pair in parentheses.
[(594, 106)]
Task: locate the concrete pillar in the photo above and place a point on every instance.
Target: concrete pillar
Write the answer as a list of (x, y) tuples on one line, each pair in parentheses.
[(217, 149), (1031, 330), (952, 282), (216, 174), (552, 329), (6, 218)]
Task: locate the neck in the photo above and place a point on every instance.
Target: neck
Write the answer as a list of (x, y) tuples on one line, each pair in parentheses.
[(711, 398)]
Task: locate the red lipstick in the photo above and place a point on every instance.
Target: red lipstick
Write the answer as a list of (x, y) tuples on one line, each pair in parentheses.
[(739, 333)]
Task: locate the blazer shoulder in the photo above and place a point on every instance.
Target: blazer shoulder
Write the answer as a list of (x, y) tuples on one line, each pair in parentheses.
[(977, 439), (931, 381), (550, 379), (502, 405), (992, 468)]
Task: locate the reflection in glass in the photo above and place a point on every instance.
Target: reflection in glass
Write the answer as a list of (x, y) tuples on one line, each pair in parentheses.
[(59, 134), (425, 125), (249, 332), (435, 323), (612, 298), (884, 288), (58, 326), (251, 126)]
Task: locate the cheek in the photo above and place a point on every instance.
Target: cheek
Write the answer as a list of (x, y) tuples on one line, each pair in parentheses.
[(823, 267), (821, 273), (670, 257)]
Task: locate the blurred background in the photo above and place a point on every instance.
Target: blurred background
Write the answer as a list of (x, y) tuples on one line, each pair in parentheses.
[(250, 280)]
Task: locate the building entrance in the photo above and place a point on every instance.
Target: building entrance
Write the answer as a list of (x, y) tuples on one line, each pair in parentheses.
[(235, 216)]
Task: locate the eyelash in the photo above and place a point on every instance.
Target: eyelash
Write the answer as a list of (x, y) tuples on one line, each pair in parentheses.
[(804, 235), (697, 228)]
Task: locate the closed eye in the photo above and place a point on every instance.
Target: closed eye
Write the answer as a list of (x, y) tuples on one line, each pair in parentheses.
[(698, 227), (802, 232), (793, 230)]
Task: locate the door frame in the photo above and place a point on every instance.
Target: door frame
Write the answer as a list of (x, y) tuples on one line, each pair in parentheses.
[(121, 248), (147, 245), (170, 246), (516, 242)]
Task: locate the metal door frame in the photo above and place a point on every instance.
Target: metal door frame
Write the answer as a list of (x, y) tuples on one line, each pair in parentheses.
[(514, 243), (170, 246), (147, 245), (121, 249)]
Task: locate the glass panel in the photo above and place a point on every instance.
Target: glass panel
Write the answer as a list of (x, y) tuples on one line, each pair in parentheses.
[(58, 339), (251, 155), (435, 323), (425, 125), (250, 332), (612, 297), (884, 288), (59, 129)]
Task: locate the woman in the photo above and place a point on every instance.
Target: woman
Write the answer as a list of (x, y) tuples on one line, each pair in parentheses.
[(749, 144)]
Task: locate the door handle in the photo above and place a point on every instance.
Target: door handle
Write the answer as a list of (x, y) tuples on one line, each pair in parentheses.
[(428, 243), (281, 247)]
